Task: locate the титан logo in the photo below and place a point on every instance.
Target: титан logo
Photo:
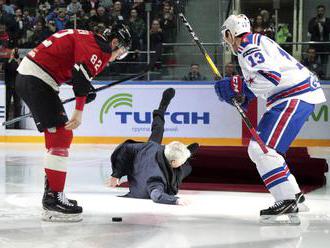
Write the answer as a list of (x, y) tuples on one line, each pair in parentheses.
[(145, 117), (122, 99)]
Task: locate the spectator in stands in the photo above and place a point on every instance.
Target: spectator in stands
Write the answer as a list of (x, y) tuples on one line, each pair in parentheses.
[(258, 25), (10, 67), (102, 16), (107, 4), (230, 69), (62, 19), (20, 30), (138, 30), (82, 20), (92, 17), (268, 23), (140, 8), (319, 30), (74, 7), (51, 27), (88, 5), (312, 63), (156, 40), (167, 23), (50, 16), (167, 3), (7, 7), (41, 32), (283, 34), (265, 15), (156, 36), (4, 37), (117, 12), (44, 7), (9, 21), (194, 74), (57, 4), (28, 19)]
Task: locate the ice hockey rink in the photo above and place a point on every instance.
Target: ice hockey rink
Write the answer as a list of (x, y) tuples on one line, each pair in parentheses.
[(213, 219)]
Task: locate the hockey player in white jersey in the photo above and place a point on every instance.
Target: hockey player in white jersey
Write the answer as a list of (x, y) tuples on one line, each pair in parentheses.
[(291, 91)]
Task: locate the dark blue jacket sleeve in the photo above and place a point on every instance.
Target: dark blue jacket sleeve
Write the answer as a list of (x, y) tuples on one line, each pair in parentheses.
[(124, 160), (157, 194)]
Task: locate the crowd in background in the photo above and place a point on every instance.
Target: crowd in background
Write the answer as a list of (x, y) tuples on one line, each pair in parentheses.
[(25, 24), (315, 56)]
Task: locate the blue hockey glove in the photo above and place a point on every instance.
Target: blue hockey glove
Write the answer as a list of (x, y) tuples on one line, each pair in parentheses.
[(233, 87)]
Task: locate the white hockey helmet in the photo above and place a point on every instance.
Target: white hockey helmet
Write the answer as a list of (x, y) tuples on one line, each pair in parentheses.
[(234, 26)]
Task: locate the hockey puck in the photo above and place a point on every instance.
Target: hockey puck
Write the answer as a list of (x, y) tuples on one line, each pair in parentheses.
[(117, 219)]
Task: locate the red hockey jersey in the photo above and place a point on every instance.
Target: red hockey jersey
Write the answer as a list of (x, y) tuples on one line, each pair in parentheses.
[(66, 49)]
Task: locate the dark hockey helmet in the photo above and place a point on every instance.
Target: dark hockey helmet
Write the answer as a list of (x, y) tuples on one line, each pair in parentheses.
[(121, 32)]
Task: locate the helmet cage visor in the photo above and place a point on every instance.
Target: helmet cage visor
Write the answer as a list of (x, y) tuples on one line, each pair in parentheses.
[(228, 40), (123, 52)]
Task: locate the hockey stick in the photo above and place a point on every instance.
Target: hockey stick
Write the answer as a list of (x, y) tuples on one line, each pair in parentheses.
[(217, 77), (147, 68), (19, 118)]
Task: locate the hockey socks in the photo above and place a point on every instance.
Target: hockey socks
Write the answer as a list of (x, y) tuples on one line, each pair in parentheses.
[(57, 141), (55, 168)]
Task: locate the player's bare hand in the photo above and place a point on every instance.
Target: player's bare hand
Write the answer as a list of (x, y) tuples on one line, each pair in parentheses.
[(112, 182), (75, 120), (183, 202)]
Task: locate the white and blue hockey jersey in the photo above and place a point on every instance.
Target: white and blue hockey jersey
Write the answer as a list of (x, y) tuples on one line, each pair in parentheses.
[(272, 73)]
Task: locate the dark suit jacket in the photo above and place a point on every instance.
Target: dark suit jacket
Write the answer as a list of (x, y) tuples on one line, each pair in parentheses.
[(148, 171)]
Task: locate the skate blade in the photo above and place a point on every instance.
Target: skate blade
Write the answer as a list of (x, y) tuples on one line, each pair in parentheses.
[(302, 207), (286, 219), (53, 216)]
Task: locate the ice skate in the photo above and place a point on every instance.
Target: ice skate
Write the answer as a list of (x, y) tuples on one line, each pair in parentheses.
[(302, 207), (47, 189), (57, 208), (282, 212)]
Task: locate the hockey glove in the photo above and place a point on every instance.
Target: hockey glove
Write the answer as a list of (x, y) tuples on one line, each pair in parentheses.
[(91, 95), (228, 89)]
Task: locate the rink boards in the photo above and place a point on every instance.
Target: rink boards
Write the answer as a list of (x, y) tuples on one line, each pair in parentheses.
[(195, 114)]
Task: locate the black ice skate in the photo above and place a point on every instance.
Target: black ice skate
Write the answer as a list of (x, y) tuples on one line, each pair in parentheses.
[(300, 199), (286, 209), (57, 208), (74, 202)]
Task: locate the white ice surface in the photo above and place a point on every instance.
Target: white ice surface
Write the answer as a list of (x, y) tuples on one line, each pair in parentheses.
[(213, 219)]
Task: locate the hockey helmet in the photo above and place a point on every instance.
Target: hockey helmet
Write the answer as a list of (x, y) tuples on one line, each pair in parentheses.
[(234, 26), (121, 32)]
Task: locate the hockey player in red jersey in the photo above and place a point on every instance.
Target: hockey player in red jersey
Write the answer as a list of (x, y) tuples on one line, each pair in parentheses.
[(74, 57)]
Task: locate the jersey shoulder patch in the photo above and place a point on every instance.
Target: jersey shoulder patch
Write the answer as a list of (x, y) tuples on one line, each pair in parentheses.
[(250, 39)]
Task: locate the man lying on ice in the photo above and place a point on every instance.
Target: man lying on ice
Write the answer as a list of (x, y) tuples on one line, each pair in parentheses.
[(154, 171)]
